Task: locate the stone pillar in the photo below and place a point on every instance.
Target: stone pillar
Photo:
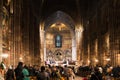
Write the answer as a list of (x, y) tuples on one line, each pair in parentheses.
[(11, 40), (31, 41), (1, 17), (74, 54), (78, 43), (96, 48), (92, 52), (43, 47), (96, 51), (88, 53), (114, 29), (17, 45), (25, 32)]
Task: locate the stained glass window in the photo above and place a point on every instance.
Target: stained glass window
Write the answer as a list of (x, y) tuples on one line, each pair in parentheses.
[(58, 41)]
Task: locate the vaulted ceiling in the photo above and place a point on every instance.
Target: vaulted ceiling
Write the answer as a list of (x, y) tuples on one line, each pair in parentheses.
[(77, 9)]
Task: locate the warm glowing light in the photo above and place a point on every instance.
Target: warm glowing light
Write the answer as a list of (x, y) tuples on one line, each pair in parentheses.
[(21, 58), (108, 59), (111, 67), (80, 28), (58, 25), (88, 61), (4, 55), (96, 60)]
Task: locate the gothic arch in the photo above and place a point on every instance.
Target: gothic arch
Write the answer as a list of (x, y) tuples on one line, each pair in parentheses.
[(62, 17)]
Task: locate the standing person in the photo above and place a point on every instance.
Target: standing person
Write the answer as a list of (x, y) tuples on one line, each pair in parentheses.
[(10, 74), (96, 75), (67, 72), (18, 71), (55, 74), (72, 75), (43, 75), (25, 73), (1, 73)]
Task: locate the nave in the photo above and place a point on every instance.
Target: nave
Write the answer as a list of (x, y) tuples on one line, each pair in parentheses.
[(75, 32)]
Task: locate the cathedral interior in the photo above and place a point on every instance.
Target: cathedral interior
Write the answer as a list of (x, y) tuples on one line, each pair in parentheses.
[(84, 31)]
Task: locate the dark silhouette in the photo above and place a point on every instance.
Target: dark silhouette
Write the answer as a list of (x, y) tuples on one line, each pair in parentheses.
[(18, 71), (10, 74)]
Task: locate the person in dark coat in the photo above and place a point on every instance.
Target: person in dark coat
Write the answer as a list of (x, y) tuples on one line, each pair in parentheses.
[(43, 75), (96, 75), (18, 71), (10, 74), (116, 72)]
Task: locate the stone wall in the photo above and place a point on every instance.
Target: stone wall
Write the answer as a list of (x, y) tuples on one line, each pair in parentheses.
[(103, 26), (1, 17), (66, 48)]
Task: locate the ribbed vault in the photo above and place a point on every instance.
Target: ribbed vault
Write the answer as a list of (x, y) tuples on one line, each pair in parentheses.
[(61, 17)]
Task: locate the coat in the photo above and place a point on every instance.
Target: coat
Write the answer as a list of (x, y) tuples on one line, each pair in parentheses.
[(25, 74)]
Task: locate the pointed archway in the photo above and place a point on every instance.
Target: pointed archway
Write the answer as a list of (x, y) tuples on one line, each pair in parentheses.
[(58, 17)]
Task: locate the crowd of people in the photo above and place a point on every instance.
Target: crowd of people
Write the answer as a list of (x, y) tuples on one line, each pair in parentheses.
[(23, 72), (98, 72), (48, 72)]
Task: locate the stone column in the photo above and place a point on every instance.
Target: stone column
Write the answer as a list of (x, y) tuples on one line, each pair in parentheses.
[(25, 32), (114, 35), (79, 42), (96, 48), (43, 47), (88, 51), (1, 17), (17, 45), (74, 54)]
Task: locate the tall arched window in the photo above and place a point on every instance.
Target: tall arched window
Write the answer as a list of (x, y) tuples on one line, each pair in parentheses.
[(58, 41)]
